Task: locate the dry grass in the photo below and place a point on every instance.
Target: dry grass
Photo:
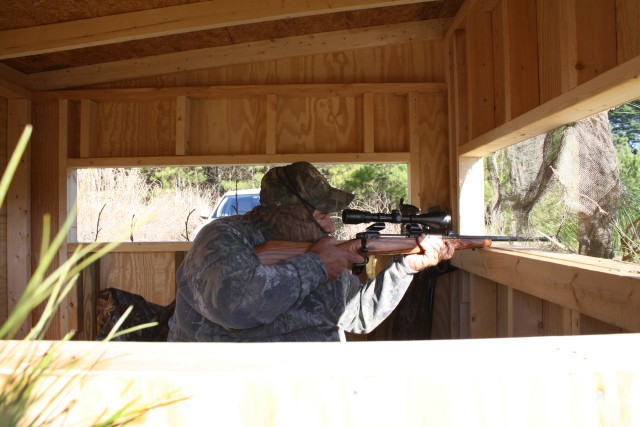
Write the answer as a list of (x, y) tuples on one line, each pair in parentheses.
[(110, 201)]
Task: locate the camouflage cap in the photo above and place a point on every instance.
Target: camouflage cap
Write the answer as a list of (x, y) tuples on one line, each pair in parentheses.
[(301, 183)]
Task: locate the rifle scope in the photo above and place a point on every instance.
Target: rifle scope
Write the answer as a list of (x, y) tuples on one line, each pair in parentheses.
[(434, 220)]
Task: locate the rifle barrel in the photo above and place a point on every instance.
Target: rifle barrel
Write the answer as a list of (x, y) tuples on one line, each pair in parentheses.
[(498, 238)]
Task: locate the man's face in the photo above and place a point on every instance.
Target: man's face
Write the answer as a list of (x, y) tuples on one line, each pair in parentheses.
[(324, 221)]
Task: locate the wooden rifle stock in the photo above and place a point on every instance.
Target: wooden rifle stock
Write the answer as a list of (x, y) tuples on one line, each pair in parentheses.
[(277, 251)]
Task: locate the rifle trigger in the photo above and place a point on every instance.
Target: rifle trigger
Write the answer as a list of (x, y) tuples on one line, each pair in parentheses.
[(363, 243)]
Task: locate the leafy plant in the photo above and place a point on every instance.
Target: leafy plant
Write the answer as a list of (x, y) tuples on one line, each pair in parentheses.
[(27, 395)]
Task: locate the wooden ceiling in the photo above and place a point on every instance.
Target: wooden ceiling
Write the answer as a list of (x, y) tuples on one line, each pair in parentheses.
[(57, 44)]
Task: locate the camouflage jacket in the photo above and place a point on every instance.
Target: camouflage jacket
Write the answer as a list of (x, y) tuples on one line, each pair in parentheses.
[(225, 294)]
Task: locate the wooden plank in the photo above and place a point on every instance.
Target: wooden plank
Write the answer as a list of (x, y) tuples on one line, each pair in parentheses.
[(18, 213), (480, 65), (13, 84), (527, 315), (272, 117), (416, 166), (4, 149), (556, 320), (228, 126), (322, 125), (464, 314), (88, 127), (628, 39), (483, 308), (454, 307), (458, 123), (90, 286), (522, 56), (501, 59), (391, 126), (596, 37), (610, 295), (141, 247), (240, 54), (566, 381), (240, 91), (150, 275), (504, 314), (557, 51), (164, 21), (44, 187), (368, 122), (433, 133), (240, 159), (136, 128), (609, 89), (183, 125), (67, 312), (591, 326)]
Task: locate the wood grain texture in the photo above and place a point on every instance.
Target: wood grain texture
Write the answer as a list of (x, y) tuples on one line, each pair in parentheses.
[(151, 275), (596, 38), (44, 187), (627, 30), (3, 213), (319, 125), (228, 126), (136, 128), (566, 381), (433, 152)]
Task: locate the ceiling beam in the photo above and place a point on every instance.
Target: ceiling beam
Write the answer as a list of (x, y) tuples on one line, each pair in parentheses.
[(240, 54), (166, 21), (13, 84)]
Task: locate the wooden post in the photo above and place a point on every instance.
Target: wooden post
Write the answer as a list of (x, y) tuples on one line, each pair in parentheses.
[(18, 211)]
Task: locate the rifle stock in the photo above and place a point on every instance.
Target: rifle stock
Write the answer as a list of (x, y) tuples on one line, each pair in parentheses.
[(275, 251)]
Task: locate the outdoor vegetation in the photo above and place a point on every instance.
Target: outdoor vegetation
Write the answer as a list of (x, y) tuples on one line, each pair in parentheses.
[(174, 199), (579, 185), (39, 386)]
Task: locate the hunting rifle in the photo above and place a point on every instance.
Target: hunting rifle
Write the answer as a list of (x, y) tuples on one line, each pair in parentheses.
[(435, 222)]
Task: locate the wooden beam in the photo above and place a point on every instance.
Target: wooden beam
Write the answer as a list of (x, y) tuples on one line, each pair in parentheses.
[(240, 53), (13, 84), (235, 159), (609, 89), (18, 211), (272, 117), (544, 381), (183, 125), (608, 291), (88, 127), (234, 91), (166, 21)]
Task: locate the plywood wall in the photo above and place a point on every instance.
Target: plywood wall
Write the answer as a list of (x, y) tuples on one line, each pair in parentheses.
[(517, 68), (373, 105), (3, 213)]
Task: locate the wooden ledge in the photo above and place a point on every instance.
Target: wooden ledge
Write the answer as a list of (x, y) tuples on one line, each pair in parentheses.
[(499, 382), (573, 281)]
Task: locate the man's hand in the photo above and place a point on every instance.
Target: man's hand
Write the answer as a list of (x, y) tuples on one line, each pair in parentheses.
[(334, 258), (435, 250)]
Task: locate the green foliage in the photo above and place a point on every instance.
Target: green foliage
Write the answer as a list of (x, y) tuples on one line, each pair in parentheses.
[(34, 393), (381, 185), (625, 125), (175, 177), (551, 216)]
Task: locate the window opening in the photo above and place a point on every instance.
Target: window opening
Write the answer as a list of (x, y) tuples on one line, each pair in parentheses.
[(578, 184), (171, 204)]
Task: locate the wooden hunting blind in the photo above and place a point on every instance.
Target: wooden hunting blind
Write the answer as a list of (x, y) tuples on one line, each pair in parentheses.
[(434, 84)]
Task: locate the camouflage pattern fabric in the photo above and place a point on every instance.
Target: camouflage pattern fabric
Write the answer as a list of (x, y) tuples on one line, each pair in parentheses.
[(226, 295), (111, 305), (301, 182)]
